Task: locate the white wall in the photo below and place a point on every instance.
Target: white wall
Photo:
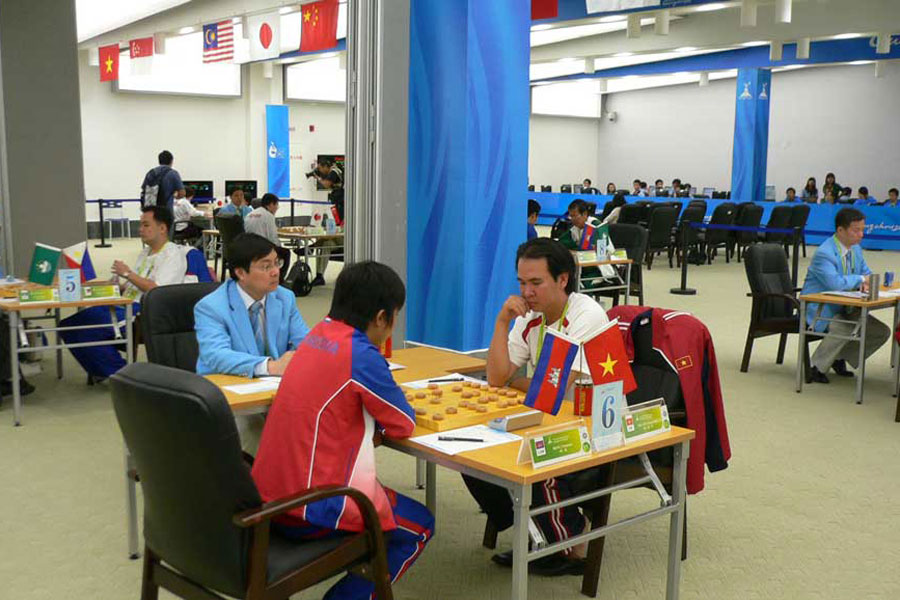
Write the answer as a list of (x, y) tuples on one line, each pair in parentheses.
[(562, 150), (329, 121), (840, 119)]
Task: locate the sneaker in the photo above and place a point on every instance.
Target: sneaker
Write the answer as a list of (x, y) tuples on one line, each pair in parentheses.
[(319, 280), (25, 388)]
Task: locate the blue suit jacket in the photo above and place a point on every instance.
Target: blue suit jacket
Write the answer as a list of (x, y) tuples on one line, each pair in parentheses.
[(225, 335), (826, 274)]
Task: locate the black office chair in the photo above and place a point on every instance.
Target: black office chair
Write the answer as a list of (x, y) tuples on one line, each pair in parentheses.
[(799, 217), (632, 239), (749, 215), (207, 532), (630, 214), (565, 188), (662, 222), (167, 324), (712, 239), (686, 239), (229, 226), (775, 309), (780, 218)]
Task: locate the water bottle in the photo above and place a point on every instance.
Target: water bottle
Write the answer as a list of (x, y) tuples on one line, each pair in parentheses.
[(329, 226), (888, 279)]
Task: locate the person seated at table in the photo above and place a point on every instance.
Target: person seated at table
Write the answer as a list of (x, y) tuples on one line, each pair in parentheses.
[(335, 402), (534, 209), (676, 187), (587, 187), (185, 228), (237, 206), (810, 193), (659, 187), (583, 233), (845, 196), (610, 188), (261, 221), (547, 300), (636, 189), (160, 263), (615, 207), (863, 198), (892, 197), (831, 190), (838, 265), (790, 195)]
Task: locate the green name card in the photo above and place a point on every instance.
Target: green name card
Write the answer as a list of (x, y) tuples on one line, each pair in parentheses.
[(559, 446), (95, 292), (645, 420), (39, 295)]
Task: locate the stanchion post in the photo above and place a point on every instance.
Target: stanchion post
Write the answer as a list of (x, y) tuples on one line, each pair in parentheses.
[(795, 263), (102, 243), (684, 290), (292, 212)]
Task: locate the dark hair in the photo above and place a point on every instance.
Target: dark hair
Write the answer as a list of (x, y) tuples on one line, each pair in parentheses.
[(643, 184), (613, 187), (324, 162), (894, 190), (658, 181), (559, 260), (846, 216), (588, 180), (618, 200), (813, 188), (189, 191), (580, 205), (534, 207), (165, 158), (161, 214), (246, 248), (268, 199), (827, 175), (863, 190), (364, 288), (676, 180), (790, 189), (846, 191), (637, 181)]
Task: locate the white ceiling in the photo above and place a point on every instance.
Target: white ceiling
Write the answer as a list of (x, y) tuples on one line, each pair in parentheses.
[(94, 17)]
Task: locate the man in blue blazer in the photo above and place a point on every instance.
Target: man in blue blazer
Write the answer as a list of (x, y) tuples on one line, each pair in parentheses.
[(838, 265), (249, 326)]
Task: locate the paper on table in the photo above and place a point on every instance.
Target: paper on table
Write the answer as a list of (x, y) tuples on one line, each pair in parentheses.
[(491, 437), (423, 383), (850, 294), (395, 366), (263, 384)]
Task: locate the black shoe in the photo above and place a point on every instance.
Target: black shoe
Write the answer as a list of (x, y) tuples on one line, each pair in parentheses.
[(817, 376), (840, 367), (319, 280), (548, 566), (25, 388), (504, 559)]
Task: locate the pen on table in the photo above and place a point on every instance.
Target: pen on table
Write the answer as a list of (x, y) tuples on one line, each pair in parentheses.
[(447, 438), (442, 379)]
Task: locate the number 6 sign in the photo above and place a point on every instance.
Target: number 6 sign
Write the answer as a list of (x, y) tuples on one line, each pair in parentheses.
[(607, 416)]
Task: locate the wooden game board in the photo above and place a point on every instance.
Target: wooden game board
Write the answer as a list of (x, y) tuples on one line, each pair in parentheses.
[(443, 407)]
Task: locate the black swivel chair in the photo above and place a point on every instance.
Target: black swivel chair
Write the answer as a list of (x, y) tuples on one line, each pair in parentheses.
[(681, 247), (630, 214), (662, 221), (167, 323), (775, 309), (799, 217), (229, 226), (632, 239), (780, 218), (712, 239), (749, 215), (207, 532)]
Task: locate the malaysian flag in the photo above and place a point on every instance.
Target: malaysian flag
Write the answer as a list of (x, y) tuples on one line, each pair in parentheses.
[(218, 41)]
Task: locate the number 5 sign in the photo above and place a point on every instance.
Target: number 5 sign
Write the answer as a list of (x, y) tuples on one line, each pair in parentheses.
[(608, 405)]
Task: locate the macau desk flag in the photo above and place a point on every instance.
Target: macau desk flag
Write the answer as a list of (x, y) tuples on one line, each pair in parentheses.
[(43, 264)]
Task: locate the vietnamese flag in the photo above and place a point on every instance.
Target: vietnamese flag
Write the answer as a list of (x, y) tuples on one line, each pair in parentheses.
[(109, 62), (607, 359), (319, 26), (141, 47), (551, 374), (544, 9)]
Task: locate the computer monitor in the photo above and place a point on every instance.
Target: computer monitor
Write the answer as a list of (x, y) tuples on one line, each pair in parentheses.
[(531, 188), (546, 188), (770, 193), (708, 191), (565, 188), (202, 189), (247, 185), (577, 188)]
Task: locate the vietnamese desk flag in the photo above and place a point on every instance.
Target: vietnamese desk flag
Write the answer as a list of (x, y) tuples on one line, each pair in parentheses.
[(551, 374), (607, 359), (109, 62), (76, 257), (319, 29), (544, 9)]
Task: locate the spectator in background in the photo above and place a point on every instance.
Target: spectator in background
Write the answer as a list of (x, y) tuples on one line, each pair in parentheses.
[(261, 221), (845, 196), (831, 191), (162, 184), (892, 197), (810, 193), (790, 195), (676, 187), (863, 197), (534, 209), (610, 188), (184, 212), (636, 188), (237, 206), (686, 190), (660, 186), (587, 187), (615, 207), (645, 189)]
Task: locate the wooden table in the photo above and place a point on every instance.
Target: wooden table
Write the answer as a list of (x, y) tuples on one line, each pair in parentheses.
[(497, 465), (304, 241), (616, 262), (15, 309), (858, 335)]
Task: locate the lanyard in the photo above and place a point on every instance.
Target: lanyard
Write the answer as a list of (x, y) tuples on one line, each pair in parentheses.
[(543, 326), (844, 270)]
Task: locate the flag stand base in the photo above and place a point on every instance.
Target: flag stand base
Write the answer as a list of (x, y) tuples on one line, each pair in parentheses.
[(683, 291), (103, 245)]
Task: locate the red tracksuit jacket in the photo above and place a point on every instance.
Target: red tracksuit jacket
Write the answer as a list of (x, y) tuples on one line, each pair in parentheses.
[(686, 344)]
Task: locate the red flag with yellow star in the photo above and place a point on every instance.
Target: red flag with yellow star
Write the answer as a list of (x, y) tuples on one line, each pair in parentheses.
[(319, 30), (607, 358), (109, 62)]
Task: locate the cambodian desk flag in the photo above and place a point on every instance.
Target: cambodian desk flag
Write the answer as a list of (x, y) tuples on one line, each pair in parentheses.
[(76, 257), (551, 374), (607, 358), (587, 237)]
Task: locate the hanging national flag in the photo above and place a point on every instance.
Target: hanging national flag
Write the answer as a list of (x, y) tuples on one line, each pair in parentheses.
[(551, 374), (587, 237), (265, 39), (319, 29), (544, 9), (141, 47), (218, 41), (109, 62), (76, 257), (607, 359), (43, 264)]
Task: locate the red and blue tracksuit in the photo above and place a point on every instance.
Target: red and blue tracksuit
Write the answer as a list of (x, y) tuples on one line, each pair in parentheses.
[(337, 389)]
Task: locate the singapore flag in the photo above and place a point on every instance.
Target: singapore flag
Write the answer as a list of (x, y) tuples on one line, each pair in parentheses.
[(264, 36)]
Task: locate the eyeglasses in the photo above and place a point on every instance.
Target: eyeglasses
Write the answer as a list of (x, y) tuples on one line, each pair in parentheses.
[(268, 266)]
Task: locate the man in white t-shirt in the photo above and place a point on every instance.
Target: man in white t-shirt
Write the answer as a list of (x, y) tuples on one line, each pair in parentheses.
[(160, 263), (546, 273)]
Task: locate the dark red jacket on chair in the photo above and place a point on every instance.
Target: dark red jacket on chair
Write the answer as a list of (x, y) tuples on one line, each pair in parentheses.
[(687, 346)]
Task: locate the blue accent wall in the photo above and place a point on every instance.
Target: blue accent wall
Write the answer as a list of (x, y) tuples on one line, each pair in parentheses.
[(468, 160)]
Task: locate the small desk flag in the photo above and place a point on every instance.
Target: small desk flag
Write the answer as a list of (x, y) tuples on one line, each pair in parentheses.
[(76, 257), (551, 374), (607, 358), (43, 264)]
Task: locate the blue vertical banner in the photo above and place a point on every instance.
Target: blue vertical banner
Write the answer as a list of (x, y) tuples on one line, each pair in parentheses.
[(468, 160), (277, 150), (751, 135)]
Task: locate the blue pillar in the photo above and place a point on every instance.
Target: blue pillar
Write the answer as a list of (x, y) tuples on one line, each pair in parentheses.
[(468, 160), (751, 135)]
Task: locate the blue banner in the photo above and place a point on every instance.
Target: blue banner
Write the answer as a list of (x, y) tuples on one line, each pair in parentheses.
[(751, 135), (277, 150)]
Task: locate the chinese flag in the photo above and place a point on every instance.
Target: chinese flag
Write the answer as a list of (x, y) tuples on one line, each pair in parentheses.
[(141, 47), (544, 9), (109, 62), (607, 359), (319, 30)]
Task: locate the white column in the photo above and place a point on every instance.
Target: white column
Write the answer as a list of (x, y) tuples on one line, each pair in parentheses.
[(803, 48), (661, 24), (748, 13), (775, 50), (783, 11), (634, 26)]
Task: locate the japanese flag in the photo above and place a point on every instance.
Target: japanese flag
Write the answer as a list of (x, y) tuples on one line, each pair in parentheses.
[(265, 40)]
